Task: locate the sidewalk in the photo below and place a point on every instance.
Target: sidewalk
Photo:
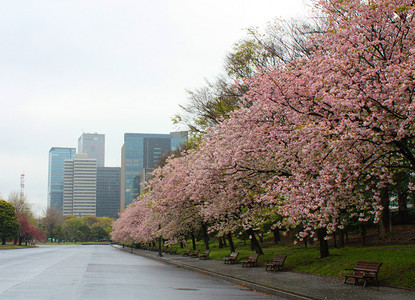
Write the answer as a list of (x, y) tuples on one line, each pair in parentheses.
[(285, 284)]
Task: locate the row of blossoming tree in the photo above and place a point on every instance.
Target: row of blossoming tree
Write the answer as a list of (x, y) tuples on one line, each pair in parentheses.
[(319, 143)]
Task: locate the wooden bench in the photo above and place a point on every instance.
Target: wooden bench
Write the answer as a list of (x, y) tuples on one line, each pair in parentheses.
[(363, 270), (195, 253), (277, 263), (204, 255), (232, 258), (187, 253), (251, 261)]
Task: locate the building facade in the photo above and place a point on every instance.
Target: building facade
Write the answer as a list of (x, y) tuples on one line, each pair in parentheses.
[(143, 151), (108, 191), (93, 144), (79, 186), (57, 156)]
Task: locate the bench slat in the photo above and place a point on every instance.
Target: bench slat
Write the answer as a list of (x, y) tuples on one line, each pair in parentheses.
[(363, 270)]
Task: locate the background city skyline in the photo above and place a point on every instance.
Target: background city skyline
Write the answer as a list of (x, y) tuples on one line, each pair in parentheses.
[(111, 67)]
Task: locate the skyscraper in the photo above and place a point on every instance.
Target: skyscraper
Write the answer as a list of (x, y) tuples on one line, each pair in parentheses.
[(93, 144), (108, 191), (143, 151), (79, 188), (57, 156)]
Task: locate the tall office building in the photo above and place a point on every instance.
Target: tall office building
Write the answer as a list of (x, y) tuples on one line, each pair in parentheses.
[(79, 186), (143, 151), (93, 144), (57, 156), (108, 192)]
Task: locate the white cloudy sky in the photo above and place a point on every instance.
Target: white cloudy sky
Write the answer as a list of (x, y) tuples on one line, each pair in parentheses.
[(106, 66)]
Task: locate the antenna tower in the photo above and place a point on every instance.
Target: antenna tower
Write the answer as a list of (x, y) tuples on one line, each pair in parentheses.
[(21, 186)]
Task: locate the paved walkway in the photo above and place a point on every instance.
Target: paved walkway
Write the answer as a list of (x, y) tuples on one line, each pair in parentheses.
[(286, 284)]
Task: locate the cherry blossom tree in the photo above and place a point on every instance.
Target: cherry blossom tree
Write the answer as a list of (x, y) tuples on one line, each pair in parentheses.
[(318, 143), (345, 115), (173, 206), (131, 227), (332, 128)]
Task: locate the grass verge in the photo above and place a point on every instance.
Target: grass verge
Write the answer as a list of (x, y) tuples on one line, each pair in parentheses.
[(398, 268)]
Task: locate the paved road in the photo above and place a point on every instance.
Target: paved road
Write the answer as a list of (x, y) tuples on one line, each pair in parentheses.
[(102, 272)]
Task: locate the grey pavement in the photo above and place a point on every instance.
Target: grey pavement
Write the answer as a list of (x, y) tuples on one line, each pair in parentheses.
[(285, 284), (102, 272)]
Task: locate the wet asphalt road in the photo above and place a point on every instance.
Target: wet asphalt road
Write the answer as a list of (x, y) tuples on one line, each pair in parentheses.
[(102, 272)]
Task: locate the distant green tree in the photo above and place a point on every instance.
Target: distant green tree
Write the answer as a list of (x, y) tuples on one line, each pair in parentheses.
[(60, 233), (105, 223), (84, 233), (9, 226), (72, 227), (90, 220), (99, 233)]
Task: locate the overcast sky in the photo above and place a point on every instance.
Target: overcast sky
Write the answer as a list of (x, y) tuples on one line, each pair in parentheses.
[(111, 67)]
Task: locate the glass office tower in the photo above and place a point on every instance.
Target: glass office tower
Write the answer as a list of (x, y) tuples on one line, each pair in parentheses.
[(93, 144), (108, 191), (143, 151), (57, 156)]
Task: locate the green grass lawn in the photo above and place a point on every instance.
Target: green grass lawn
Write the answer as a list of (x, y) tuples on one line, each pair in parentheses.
[(398, 267), (72, 243), (13, 246)]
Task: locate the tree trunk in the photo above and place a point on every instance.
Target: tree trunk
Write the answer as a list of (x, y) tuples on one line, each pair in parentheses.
[(363, 227), (193, 241), (251, 244), (386, 219), (224, 242), (220, 243), (334, 240), (261, 237), (205, 236), (254, 242), (229, 236), (342, 238), (277, 236), (3, 241), (324, 245), (402, 207)]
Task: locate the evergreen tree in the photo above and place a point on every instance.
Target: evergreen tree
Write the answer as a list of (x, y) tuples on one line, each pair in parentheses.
[(9, 226)]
